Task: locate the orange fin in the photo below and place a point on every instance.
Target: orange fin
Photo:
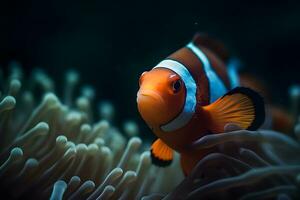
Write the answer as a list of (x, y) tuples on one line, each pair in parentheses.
[(202, 39), (241, 106), (161, 154)]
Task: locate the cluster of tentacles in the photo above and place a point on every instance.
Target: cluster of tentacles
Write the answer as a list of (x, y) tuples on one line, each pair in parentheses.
[(261, 164), (52, 148)]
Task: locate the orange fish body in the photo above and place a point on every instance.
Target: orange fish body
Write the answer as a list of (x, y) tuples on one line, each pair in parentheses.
[(190, 94)]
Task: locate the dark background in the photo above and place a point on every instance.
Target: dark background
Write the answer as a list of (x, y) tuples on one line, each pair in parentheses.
[(111, 43)]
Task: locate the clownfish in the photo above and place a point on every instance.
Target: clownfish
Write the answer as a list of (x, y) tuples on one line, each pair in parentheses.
[(192, 93)]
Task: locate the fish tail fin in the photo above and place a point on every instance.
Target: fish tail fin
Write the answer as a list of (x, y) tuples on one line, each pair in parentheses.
[(241, 106)]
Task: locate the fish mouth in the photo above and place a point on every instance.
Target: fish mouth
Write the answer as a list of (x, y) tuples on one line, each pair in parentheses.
[(151, 107), (149, 94)]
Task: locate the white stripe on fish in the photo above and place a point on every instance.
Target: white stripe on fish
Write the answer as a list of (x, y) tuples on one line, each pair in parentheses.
[(190, 100), (216, 85)]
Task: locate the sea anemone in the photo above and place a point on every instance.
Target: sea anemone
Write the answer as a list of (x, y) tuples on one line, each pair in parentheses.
[(262, 164), (59, 148)]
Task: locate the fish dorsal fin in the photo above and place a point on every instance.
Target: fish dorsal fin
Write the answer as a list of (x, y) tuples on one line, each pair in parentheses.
[(202, 39), (161, 154), (241, 106)]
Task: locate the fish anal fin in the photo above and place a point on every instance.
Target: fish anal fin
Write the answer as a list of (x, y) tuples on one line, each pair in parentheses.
[(161, 154), (241, 106)]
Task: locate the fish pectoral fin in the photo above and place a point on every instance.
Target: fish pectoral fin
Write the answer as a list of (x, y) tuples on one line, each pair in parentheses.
[(241, 106), (161, 154)]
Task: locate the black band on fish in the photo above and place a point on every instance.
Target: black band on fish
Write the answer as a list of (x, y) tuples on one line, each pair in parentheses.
[(161, 154), (240, 106), (258, 102), (159, 162)]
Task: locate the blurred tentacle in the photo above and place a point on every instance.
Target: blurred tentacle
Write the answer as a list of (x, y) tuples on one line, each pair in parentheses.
[(81, 193), (272, 192), (252, 176), (107, 193), (273, 137), (114, 175)]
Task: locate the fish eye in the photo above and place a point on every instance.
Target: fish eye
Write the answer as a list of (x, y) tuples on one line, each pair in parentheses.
[(142, 77), (177, 86)]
